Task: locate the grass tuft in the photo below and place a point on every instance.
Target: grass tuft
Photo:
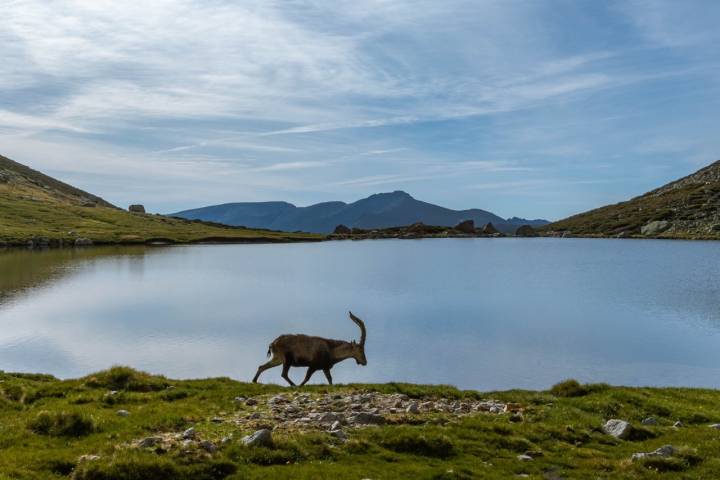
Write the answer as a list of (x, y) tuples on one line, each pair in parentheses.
[(62, 424)]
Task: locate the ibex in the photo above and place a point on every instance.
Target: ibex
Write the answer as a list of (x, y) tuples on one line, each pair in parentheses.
[(313, 352)]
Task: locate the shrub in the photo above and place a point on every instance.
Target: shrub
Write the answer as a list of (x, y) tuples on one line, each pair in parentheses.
[(427, 445), (126, 378), (62, 424), (573, 388)]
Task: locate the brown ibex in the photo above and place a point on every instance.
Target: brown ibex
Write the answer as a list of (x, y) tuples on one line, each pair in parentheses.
[(316, 353)]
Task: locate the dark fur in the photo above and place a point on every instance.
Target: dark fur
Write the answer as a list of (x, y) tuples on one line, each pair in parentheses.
[(316, 353)]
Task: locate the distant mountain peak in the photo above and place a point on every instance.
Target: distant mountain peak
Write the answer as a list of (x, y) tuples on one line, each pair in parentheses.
[(381, 210)]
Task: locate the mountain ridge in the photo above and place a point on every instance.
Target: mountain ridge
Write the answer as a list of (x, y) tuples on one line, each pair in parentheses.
[(380, 210)]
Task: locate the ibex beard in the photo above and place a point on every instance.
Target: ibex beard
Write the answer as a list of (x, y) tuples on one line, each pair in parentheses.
[(315, 353)]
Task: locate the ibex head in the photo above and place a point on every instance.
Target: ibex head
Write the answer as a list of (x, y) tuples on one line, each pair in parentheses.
[(358, 349)]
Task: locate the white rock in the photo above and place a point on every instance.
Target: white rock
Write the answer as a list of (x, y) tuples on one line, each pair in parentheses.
[(189, 434), (678, 424), (259, 438), (524, 458), (122, 413), (650, 421), (715, 425), (617, 428)]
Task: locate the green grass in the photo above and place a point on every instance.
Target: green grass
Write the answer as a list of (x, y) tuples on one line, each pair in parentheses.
[(47, 425), (23, 218)]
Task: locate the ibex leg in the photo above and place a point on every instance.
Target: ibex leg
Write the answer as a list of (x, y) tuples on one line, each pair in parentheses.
[(272, 363), (286, 368), (309, 374), (327, 375)]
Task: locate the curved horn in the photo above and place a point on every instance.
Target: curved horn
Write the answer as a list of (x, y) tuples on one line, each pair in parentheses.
[(360, 324)]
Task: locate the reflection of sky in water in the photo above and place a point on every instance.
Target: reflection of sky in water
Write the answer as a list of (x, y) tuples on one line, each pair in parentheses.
[(481, 313)]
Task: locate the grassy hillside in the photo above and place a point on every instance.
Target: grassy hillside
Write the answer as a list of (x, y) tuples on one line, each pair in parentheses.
[(122, 424), (35, 207), (686, 208)]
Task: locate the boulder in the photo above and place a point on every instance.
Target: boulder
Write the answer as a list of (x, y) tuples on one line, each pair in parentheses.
[(715, 426), (650, 421), (466, 226), (122, 413), (342, 230), (413, 408), (149, 442), (654, 228), (365, 418), (617, 428), (489, 229), (261, 438), (136, 208), (664, 451), (526, 231), (189, 434)]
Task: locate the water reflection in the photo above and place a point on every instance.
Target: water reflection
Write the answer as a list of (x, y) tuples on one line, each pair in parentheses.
[(479, 313)]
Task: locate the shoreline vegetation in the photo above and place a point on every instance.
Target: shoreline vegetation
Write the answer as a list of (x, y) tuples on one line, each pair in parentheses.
[(123, 424)]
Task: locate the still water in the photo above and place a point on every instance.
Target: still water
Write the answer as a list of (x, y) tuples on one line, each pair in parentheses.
[(476, 313)]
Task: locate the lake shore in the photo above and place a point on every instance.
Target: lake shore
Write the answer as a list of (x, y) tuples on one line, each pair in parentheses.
[(124, 424)]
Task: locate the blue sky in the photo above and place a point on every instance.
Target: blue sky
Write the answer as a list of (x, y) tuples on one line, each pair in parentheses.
[(529, 108)]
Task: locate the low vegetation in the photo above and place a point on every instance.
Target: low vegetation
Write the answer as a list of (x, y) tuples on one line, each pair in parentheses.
[(89, 429), (39, 210), (688, 208)]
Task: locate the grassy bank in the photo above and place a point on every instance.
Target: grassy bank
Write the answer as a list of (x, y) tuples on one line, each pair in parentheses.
[(122, 424), (25, 217)]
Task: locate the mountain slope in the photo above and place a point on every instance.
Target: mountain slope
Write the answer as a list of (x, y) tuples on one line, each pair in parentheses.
[(381, 210), (38, 209), (686, 208)]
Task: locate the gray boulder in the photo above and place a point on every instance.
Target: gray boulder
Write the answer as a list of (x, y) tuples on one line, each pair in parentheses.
[(650, 421), (136, 208), (617, 428), (261, 438), (149, 442), (664, 451), (654, 228), (189, 434)]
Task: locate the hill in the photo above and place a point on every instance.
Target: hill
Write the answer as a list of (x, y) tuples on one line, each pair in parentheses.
[(36, 209), (381, 210), (686, 208)]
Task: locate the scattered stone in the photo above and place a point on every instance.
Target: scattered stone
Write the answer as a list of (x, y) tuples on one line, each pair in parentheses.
[(208, 446), (83, 242), (617, 428), (650, 421), (365, 418), (678, 424), (413, 408), (467, 226), (715, 425), (226, 440), (329, 417), (149, 442), (122, 413), (524, 458), (239, 399), (250, 402), (261, 438), (189, 434), (335, 426), (217, 420), (653, 228), (664, 451), (136, 208)]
